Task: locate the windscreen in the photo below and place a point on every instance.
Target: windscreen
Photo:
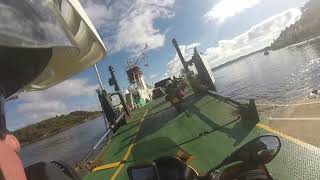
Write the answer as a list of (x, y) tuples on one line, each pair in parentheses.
[(32, 23), (20, 66), (2, 116)]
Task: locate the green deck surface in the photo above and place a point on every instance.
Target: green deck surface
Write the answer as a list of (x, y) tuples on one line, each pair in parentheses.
[(163, 130)]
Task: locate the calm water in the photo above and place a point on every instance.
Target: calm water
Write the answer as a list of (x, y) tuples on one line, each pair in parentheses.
[(70, 145), (286, 75)]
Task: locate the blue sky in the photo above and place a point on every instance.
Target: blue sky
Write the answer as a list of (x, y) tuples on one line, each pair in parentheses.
[(221, 29)]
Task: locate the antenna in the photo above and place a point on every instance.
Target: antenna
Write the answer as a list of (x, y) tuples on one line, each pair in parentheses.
[(133, 70), (98, 76), (135, 62)]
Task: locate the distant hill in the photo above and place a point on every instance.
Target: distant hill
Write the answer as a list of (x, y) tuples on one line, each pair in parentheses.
[(35, 132), (239, 58), (307, 27)]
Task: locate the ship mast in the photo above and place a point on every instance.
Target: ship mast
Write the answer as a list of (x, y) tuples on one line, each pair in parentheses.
[(137, 88)]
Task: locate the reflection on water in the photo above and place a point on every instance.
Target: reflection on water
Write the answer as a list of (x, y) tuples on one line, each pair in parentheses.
[(283, 76), (69, 146)]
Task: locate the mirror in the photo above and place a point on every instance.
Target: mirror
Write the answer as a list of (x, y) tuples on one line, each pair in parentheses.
[(260, 150), (143, 172)]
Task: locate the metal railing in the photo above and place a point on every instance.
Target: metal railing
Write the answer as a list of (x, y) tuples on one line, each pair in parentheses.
[(225, 99), (106, 135), (220, 97), (248, 111)]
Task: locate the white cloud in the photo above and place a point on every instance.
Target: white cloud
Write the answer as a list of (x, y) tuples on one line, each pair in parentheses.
[(229, 8), (153, 76), (129, 24), (38, 105), (174, 66), (97, 12), (257, 37)]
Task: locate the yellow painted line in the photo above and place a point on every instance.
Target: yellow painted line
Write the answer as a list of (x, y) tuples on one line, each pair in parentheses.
[(285, 136), (126, 156), (114, 176), (107, 166), (295, 119)]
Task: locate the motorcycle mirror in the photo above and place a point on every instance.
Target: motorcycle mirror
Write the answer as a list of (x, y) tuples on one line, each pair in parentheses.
[(261, 150), (143, 172)]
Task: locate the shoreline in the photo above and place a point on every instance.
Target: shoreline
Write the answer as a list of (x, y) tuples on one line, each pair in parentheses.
[(45, 136), (49, 135), (267, 48)]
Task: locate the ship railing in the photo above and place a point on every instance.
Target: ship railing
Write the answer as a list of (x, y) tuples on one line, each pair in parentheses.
[(105, 138), (225, 99), (247, 111)]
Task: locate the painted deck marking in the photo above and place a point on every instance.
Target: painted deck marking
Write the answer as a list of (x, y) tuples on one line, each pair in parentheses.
[(107, 166), (126, 156), (292, 139), (295, 119), (287, 105)]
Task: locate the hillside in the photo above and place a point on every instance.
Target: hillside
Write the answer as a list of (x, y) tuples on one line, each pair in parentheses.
[(53, 125), (307, 27)]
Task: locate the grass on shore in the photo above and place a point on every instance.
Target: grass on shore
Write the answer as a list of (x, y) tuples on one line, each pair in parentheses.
[(35, 132)]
